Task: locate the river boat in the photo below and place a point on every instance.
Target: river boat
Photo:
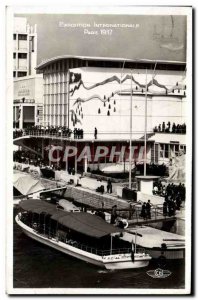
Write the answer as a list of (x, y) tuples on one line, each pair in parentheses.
[(81, 235)]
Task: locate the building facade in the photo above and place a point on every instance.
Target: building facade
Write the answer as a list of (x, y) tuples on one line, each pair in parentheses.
[(24, 48), (89, 82), (108, 94), (28, 101)]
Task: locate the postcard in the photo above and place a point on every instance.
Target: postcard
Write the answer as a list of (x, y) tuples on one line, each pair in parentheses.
[(99, 134)]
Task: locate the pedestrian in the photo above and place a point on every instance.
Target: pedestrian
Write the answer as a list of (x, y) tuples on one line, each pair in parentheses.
[(143, 211), (95, 133), (110, 187), (165, 208), (148, 209), (114, 214)]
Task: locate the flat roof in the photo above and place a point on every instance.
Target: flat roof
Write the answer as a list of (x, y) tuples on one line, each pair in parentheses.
[(84, 140), (46, 62)]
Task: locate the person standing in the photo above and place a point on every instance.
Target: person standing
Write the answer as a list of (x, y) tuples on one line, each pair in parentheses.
[(148, 209), (143, 211), (95, 133)]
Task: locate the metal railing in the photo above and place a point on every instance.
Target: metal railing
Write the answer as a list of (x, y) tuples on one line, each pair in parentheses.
[(42, 230)]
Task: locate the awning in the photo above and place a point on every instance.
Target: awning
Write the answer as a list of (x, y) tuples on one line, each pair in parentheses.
[(86, 224), (26, 184), (38, 206)]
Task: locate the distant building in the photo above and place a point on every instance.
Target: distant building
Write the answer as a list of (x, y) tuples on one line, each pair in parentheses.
[(28, 101), (24, 48)]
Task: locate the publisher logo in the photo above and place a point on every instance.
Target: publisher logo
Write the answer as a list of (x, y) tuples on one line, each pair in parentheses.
[(159, 273)]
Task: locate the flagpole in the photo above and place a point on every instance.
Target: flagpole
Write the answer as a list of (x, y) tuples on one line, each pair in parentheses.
[(135, 240), (145, 128), (130, 141)]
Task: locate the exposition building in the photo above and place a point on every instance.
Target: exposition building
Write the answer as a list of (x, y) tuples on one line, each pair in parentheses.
[(122, 98)]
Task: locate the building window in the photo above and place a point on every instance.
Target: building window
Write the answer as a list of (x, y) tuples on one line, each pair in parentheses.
[(176, 149), (14, 55), (22, 55), (182, 148), (22, 37), (22, 74), (166, 151), (14, 74), (14, 36)]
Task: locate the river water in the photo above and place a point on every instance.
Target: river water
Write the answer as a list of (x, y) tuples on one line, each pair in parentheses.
[(39, 266)]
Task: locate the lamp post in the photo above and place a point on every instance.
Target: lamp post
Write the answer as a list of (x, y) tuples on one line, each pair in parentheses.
[(145, 127)]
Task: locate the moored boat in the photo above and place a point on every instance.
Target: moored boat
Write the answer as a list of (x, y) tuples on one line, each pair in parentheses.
[(81, 235), (157, 242)]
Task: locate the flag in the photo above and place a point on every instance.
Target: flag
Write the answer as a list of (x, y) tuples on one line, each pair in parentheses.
[(19, 113), (74, 77), (132, 246)]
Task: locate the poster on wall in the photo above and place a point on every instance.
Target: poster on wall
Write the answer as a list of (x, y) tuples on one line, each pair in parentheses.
[(99, 195)]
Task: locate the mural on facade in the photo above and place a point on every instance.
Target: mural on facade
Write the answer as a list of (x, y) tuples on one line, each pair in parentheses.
[(94, 93)]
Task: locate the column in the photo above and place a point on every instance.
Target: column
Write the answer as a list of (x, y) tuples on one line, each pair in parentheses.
[(75, 161), (21, 117), (85, 164)]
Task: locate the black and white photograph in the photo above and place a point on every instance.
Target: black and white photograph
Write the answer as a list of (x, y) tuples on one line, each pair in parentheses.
[(99, 196)]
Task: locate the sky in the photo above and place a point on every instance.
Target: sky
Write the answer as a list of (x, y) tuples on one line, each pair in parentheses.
[(149, 37)]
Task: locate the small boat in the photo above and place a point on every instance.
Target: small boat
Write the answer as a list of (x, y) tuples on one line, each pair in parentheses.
[(157, 242), (67, 206), (81, 235)]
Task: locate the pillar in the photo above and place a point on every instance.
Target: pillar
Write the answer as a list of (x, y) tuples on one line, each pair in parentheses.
[(21, 117)]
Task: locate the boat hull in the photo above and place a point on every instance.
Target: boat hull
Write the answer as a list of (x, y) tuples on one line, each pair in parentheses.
[(109, 262), (168, 254)]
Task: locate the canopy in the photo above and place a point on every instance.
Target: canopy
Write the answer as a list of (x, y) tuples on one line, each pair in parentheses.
[(85, 223), (26, 184), (118, 168), (38, 206)]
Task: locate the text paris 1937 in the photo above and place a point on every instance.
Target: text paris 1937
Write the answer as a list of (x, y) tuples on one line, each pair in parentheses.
[(98, 32)]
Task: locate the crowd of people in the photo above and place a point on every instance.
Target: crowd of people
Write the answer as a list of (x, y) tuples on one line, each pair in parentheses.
[(146, 210), (29, 158), (17, 133), (174, 196), (179, 128), (58, 131), (78, 133)]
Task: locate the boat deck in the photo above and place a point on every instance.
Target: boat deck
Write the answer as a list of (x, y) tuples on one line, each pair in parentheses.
[(149, 237)]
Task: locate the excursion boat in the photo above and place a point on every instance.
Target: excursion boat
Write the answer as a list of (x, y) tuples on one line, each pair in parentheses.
[(81, 235)]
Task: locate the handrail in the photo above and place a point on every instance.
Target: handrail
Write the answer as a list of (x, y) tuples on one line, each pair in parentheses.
[(79, 245)]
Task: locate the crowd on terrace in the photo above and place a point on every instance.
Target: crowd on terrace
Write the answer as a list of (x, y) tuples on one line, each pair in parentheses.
[(57, 131), (179, 128)]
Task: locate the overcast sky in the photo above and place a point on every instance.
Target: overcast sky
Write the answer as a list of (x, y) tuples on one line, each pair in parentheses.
[(155, 37)]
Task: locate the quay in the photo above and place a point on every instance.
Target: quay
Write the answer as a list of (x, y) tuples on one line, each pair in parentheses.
[(86, 197)]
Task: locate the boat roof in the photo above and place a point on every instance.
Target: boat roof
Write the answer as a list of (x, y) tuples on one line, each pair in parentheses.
[(150, 237), (67, 205), (81, 222)]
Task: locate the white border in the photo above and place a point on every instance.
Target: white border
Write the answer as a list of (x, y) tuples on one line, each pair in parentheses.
[(9, 96)]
